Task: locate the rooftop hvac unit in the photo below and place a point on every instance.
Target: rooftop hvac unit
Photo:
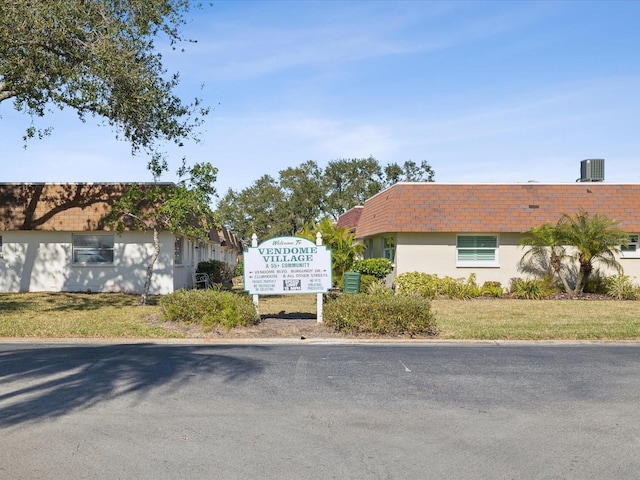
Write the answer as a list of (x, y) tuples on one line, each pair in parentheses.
[(592, 170)]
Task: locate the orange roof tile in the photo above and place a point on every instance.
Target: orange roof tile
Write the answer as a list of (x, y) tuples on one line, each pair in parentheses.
[(56, 207), (349, 219), (493, 208)]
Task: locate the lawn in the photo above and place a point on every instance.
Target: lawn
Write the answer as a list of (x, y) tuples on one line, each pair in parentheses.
[(502, 319), (67, 315)]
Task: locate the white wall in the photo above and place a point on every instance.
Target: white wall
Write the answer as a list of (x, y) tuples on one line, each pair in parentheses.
[(436, 253), (42, 261), (194, 252)]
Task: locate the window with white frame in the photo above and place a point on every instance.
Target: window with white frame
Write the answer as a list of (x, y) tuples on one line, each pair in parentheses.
[(630, 250), (389, 248), (178, 248), (93, 249), (477, 251)]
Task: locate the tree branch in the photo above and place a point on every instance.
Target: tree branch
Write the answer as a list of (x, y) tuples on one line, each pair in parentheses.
[(5, 93)]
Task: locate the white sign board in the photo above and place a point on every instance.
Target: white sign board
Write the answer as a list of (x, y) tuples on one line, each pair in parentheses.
[(285, 265)]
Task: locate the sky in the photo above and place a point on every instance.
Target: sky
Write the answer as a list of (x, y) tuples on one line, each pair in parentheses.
[(486, 92)]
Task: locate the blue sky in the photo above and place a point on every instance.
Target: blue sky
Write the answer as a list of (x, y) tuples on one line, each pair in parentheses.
[(499, 92)]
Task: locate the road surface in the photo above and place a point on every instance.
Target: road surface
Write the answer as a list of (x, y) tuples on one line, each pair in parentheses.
[(438, 411)]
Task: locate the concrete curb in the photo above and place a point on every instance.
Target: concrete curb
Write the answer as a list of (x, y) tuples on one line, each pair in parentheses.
[(310, 341)]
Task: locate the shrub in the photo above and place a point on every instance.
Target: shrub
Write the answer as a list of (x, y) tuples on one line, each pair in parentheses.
[(366, 281), (377, 288), (596, 283), (458, 287), (380, 315), (532, 289), (218, 271), (376, 267), (430, 286), (621, 287), (416, 284), (492, 289), (239, 271), (209, 308)]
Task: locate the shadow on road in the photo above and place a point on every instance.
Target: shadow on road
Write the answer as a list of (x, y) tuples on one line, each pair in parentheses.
[(50, 381)]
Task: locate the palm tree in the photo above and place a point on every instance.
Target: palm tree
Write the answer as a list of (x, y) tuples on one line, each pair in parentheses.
[(341, 242), (547, 254), (596, 239)]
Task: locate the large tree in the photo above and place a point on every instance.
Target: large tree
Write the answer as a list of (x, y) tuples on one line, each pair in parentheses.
[(303, 195), (99, 58), (256, 209), (349, 182), (182, 208), (410, 171)]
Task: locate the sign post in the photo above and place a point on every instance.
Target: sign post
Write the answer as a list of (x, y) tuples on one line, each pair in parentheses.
[(288, 265)]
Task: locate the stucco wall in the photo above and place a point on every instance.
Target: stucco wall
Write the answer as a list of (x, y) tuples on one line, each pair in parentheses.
[(436, 253), (42, 261)]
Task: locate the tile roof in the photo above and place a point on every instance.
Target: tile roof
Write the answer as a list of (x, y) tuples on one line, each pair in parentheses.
[(225, 238), (349, 219), (73, 207), (57, 207), (493, 208)]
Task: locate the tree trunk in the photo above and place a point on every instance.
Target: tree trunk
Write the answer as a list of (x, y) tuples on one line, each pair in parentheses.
[(583, 275), (578, 287), (154, 257), (565, 283), (556, 264)]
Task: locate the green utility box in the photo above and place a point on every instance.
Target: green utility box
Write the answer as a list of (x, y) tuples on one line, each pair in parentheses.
[(351, 282)]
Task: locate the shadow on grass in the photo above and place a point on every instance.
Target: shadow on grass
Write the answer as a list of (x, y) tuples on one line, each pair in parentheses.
[(290, 316), (51, 381), (68, 301)]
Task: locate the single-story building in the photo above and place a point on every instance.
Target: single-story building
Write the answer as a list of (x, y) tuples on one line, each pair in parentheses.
[(458, 229), (53, 238)]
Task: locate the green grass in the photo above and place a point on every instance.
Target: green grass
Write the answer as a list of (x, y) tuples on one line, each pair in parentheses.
[(66, 315), (505, 319), (304, 304)]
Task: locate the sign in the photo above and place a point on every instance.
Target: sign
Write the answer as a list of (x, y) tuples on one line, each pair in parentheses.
[(286, 265)]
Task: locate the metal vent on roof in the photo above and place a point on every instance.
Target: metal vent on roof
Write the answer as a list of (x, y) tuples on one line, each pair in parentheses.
[(592, 170)]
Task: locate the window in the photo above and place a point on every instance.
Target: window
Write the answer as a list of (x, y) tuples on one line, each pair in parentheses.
[(630, 250), (389, 249), (177, 251), (477, 251), (92, 249)]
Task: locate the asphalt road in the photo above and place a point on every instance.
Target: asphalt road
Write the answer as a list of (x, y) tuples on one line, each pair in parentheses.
[(462, 411)]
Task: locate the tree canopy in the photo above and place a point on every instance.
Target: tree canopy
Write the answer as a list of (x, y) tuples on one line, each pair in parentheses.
[(257, 209), (349, 182), (99, 58), (305, 194)]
